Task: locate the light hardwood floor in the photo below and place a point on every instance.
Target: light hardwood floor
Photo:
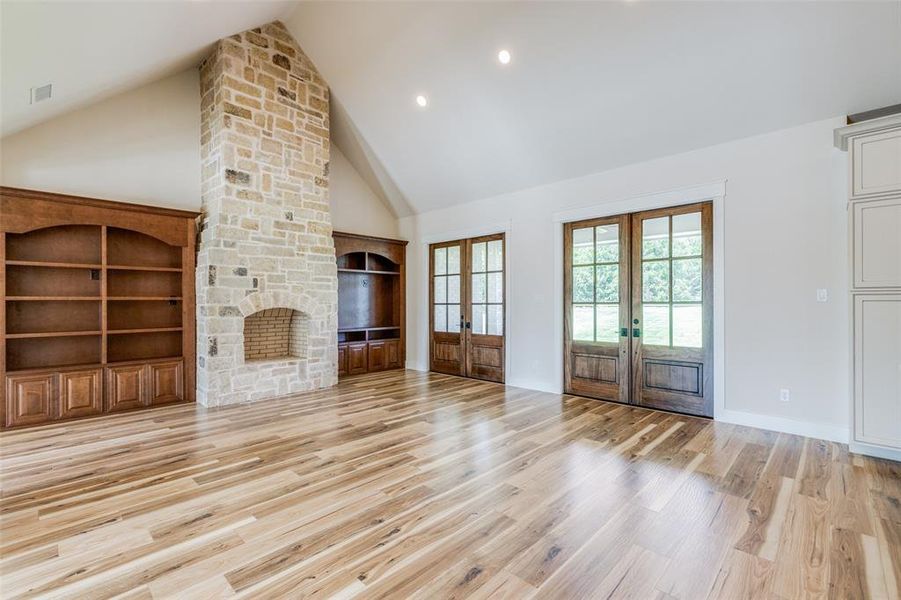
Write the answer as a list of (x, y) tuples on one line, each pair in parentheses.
[(410, 485)]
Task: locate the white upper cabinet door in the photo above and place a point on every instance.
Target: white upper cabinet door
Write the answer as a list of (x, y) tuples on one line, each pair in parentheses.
[(877, 369), (876, 230), (876, 166)]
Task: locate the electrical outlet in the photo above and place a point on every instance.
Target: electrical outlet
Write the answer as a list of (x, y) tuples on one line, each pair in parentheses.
[(785, 395), (822, 295)]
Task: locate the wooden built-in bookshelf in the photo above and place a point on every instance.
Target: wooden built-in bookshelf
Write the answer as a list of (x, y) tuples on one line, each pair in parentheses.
[(98, 309), (371, 307)]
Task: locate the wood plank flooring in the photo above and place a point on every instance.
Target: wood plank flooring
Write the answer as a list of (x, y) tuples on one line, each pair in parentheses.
[(413, 485)]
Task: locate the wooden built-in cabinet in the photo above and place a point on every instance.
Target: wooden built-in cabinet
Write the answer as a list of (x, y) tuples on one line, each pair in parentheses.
[(370, 303), (875, 252), (98, 311)]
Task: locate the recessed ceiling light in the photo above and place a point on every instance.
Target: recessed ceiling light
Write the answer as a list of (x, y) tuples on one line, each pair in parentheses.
[(422, 101), (504, 57)]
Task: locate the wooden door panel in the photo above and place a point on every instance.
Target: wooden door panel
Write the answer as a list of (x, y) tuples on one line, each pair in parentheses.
[(446, 339), (342, 360), (596, 359), (486, 360), (79, 394), (357, 358), (378, 356), (393, 354), (125, 387), (166, 382), (484, 307), (670, 373), (30, 399), (674, 376)]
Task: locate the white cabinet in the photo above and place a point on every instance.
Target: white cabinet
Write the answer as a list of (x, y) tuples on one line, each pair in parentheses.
[(877, 369), (876, 166), (875, 244)]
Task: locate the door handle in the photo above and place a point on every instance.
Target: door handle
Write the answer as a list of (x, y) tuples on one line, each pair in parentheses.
[(468, 325), (624, 332), (636, 332)]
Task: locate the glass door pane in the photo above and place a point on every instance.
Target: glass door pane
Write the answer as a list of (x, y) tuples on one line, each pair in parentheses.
[(671, 280), (487, 291), (595, 283), (446, 289)]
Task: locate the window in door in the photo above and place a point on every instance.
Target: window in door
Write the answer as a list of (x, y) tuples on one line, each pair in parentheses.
[(446, 289), (595, 283), (672, 280)]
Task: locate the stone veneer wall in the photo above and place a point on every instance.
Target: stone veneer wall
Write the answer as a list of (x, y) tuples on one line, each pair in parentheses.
[(265, 233)]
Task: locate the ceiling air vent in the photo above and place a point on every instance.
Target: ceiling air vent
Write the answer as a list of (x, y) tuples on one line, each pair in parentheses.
[(39, 94)]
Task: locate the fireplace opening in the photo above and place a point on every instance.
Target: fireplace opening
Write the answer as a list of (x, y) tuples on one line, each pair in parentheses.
[(275, 333)]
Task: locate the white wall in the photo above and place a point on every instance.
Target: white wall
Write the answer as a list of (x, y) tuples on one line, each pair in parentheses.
[(143, 146), (785, 236), (355, 207), (139, 146)]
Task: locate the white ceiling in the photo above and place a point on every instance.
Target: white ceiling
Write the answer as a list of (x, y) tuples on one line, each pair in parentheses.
[(91, 50), (592, 86)]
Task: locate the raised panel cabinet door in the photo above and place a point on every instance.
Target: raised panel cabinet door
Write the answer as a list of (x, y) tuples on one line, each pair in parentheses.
[(79, 394), (392, 351), (876, 232), (29, 399), (342, 360), (877, 369), (378, 358), (125, 387), (357, 359), (876, 164), (166, 382)]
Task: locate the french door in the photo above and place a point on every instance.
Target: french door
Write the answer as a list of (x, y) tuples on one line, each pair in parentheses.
[(639, 308), (466, 296)]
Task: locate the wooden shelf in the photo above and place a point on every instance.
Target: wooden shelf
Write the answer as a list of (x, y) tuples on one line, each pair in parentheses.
[(48, 334), (368, 272), (136, 268), (53, 298), (58, 265), (95, 286), (145, 330), (352, 329)]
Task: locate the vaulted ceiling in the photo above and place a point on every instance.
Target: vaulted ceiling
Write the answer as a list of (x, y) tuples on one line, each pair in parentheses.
[(591, 86)]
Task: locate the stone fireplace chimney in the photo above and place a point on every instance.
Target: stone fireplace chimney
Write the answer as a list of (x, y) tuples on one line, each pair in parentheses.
[(265, 248)]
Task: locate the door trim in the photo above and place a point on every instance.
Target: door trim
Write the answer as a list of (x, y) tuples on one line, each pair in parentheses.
[(714, 192)]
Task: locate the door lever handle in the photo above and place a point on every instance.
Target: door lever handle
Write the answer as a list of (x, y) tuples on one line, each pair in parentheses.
[(636, 332), (624, 332), (468, 325)]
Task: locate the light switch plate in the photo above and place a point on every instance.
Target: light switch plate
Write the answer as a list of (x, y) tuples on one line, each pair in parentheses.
[(822, 295)]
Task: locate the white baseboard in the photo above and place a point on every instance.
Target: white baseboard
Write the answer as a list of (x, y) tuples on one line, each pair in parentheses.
[(823, 431), (877, 451)]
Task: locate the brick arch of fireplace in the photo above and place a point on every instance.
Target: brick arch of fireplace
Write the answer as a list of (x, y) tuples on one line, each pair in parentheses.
[(277, 326)]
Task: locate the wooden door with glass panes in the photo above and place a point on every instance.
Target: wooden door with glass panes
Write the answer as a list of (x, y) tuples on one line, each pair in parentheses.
[(672, 309), (638, 299), (467, 308), (446, 321), (597, 308)]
